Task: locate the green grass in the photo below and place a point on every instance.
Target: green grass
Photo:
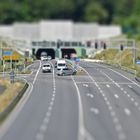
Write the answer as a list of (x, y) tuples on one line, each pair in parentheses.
[(114, 56), (10, 92)]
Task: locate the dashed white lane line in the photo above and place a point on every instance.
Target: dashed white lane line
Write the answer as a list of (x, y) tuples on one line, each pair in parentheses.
[(127, 111), (85, 85), (82, 132), (121, 89), (94, 110), (37, 73), (125, 92), (136, 104), (132, 99), (116, 96), (121, 134), (90, 95), (43, 128), (108, 86), (130, 86), (39, 136)]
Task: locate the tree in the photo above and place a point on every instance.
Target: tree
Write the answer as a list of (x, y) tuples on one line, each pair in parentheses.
[(94, 12)]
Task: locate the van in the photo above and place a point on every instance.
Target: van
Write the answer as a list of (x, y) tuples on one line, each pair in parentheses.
[(61, 64)]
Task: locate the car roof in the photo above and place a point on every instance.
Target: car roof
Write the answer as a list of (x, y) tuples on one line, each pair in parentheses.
[(61, 61)]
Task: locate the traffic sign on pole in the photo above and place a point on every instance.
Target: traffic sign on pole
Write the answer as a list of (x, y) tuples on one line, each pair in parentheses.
[(138, 62), (7, 53)]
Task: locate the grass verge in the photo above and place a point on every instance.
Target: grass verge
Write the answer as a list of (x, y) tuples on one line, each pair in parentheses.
[(10, 93)]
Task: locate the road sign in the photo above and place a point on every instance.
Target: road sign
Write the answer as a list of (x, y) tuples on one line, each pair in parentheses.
[(7, 53), (138, 62), (12, 57), (77, 59)]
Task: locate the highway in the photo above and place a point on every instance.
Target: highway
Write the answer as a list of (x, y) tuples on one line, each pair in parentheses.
[(102, 104)]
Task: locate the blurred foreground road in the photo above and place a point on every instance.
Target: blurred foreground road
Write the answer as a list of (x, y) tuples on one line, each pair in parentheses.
[(102, 104)]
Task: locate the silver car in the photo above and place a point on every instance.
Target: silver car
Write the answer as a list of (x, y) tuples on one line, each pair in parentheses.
[(66, 71)]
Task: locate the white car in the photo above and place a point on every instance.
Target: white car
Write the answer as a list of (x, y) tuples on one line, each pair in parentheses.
[(44, 58), (46, 67)]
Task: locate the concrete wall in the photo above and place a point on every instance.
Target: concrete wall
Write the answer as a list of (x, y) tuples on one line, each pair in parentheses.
[(85, 31), (63, 30), (54, 30), (109, 31), (6, 31), (26, 31)]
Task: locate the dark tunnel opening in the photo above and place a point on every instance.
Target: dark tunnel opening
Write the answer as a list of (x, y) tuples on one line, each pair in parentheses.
[(66, 52), (49, 52)]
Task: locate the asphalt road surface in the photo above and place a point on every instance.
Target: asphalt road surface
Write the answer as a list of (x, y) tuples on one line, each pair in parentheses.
[(102, 104)]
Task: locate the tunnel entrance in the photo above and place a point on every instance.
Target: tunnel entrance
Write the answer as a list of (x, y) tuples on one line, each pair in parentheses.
[(66, 52), (49, 52)]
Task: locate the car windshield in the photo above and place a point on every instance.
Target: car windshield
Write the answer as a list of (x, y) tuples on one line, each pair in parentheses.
[(46, 65), (61, 64), (65, 69)]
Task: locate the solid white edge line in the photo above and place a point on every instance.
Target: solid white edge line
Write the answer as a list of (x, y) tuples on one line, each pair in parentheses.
[(37, 73), (82, 134), (15, 112)]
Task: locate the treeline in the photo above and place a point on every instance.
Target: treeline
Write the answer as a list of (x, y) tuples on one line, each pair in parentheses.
[(124, 12)]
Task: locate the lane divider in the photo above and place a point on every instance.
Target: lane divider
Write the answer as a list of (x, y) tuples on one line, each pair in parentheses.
[(83, 134), (118, 126)]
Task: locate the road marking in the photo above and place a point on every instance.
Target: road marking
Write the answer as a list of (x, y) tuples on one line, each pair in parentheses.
[(132, 99), (130, 86), (121, 89), (115, 120), (95, 110), (113, 113), (127, 111), (108, 103), (128, 95), (122, 136), (110, 108), (82, 131), (117, 124), (118, 127), (108, 86), (40, 136), (136, 104), (85, 85), (90, 95), (37, 73), (125, 92), (14, 114), (46, 120), (43, 128), (116, 96)]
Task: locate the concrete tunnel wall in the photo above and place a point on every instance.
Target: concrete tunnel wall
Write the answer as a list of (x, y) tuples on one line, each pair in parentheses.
[(50, 52), (60, 53)]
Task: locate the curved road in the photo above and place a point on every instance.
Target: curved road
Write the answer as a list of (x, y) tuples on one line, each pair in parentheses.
[(102, 104)]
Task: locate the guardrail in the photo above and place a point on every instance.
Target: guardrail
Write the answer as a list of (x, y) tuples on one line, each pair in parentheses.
[(13, 103)]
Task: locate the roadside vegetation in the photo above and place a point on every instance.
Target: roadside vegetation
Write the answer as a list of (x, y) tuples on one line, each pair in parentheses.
[(121, 58), (10, 92)]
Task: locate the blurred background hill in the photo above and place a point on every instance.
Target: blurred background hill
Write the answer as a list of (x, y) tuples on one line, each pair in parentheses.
[(122, 12)]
